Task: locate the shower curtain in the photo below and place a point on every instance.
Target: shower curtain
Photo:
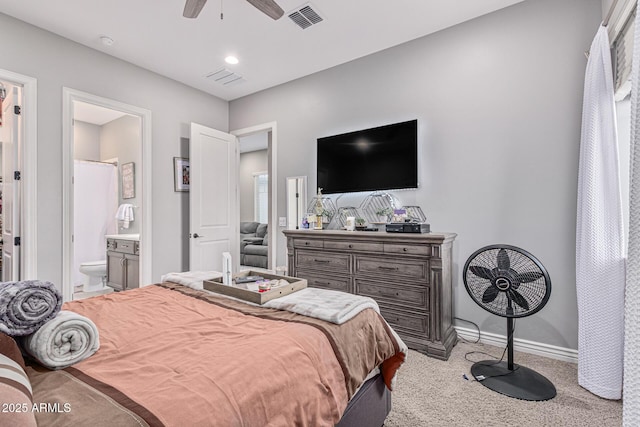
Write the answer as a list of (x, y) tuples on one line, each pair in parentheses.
[(631, 407), (95, 195), (600, 258)]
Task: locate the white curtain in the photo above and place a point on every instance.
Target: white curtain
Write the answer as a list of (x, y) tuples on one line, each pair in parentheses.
[(95, 195), (600, 257), (631, 407)]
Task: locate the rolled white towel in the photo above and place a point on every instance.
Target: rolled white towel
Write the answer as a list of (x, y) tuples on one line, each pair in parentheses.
[(63, 341), (192, 279)]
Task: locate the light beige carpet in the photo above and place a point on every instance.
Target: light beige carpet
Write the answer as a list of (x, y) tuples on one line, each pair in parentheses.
[(431, 392)]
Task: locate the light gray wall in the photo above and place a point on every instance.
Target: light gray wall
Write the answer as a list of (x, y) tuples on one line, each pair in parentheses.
[(58, 62), (86, 141), (121, 138), (498, 100), (250, 163)]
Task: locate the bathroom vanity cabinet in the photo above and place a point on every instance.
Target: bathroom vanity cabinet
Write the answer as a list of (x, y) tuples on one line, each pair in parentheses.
[(123, 264)]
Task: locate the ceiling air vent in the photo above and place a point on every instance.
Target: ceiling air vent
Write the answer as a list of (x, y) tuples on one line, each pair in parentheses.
[(225, 77), (305, 16)]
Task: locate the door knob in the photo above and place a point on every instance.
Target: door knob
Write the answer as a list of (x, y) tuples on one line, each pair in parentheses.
[(196, 235)]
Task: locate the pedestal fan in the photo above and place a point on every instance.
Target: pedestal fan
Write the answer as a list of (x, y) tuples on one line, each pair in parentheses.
[(509, 282)]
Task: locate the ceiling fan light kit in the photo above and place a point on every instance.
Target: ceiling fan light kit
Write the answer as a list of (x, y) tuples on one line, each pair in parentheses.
[(192, 8), (509, 282)]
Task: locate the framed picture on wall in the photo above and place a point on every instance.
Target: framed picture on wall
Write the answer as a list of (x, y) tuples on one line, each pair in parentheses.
[(128, 181), (180, 174)]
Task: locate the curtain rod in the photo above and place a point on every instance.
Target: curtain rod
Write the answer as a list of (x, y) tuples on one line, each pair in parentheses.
[(611, 9), (97, 161)]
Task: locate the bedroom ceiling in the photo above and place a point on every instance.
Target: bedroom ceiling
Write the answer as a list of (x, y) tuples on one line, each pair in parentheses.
[(153, 34)]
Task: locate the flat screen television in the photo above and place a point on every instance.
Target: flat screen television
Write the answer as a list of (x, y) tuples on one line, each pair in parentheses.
[(381, 158)]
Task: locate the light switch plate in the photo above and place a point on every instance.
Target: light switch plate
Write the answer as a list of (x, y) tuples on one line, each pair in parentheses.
[(282, 221)]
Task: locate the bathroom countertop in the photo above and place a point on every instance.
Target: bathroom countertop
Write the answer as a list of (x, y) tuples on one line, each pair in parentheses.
[(135, 237)]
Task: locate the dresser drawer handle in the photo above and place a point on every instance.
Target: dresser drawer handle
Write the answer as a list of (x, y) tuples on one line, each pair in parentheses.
[(306, 243), (350, 246), (404, 249), (324, 261), (381, 267)]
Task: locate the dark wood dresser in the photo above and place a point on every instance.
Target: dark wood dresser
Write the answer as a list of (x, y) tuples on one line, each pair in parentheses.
[(409, 275)]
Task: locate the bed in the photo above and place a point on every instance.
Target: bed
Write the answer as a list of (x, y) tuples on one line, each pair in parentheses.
[(172, 356)]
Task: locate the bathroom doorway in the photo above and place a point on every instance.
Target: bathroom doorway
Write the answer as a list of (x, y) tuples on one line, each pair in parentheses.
[(107, 186)]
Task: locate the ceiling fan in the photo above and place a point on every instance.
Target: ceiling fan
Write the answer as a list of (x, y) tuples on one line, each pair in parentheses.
[(192, 8)]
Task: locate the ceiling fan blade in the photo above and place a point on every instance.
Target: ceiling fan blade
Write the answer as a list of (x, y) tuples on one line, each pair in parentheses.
[(268, 7), (192, 8)]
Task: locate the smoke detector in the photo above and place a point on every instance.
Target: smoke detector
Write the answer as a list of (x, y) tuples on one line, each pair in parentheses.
[(106, 40), (305, 16)]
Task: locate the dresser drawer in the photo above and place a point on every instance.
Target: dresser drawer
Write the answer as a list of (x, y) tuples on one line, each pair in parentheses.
[(326, 261), (416, 297), (315, 280), (307, 243), (414, 324), (408, 249), (384, 267), (353, 246)]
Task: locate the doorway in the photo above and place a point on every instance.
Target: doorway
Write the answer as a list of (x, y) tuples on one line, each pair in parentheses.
[(253, 186), (258, 196), (106, 192), (18, 127)]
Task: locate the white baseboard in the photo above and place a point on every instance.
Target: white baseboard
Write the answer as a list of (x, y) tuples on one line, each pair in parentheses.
[(526, 346)]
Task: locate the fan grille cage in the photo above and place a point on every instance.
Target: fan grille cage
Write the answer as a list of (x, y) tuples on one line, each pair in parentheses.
[(498, 276)]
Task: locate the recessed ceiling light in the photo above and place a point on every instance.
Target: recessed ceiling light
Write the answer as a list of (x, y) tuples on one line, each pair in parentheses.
[(106, 40), (231, 60)]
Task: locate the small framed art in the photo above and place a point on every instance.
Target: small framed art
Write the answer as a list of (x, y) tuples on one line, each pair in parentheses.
[(128, 181), (180, 174)]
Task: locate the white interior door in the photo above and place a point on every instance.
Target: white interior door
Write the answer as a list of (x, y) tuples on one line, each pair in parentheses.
[(213, 198), (11, 132)]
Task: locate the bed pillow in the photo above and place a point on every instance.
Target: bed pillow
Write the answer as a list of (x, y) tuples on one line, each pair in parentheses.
[(16, 395)]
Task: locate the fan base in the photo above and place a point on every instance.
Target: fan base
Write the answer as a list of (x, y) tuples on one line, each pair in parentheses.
[(521, 383)]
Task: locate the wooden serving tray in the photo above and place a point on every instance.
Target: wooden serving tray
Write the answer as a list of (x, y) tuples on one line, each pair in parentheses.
[(240, 291)]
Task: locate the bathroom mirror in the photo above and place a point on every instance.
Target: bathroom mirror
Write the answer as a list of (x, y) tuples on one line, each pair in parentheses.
[(296, 201)]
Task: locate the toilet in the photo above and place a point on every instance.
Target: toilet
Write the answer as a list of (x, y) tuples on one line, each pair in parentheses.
[(95, 274)]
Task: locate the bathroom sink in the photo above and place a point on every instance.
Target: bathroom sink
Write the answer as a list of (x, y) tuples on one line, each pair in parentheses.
[(124, 236)]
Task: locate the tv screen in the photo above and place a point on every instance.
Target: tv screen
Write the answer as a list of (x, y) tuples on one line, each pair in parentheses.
[(382, 158)]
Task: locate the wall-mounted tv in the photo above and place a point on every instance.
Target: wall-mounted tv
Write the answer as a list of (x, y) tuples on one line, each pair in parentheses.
[(381, 158)]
